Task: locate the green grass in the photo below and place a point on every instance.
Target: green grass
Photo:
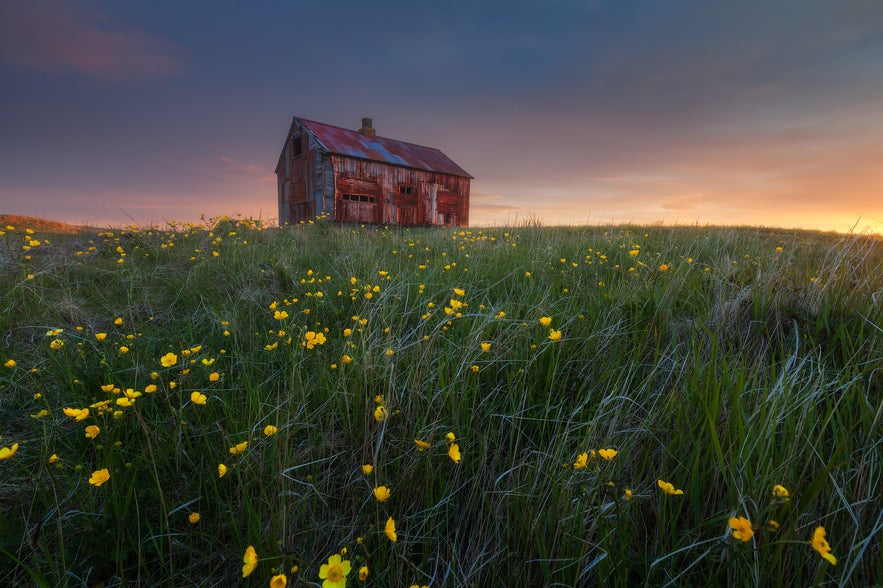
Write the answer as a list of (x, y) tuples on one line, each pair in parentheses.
[(722, 360)]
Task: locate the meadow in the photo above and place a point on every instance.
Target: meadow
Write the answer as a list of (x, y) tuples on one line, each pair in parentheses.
[(226, 404)]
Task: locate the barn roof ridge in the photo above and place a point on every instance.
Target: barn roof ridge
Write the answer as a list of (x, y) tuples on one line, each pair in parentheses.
[(383, 149)]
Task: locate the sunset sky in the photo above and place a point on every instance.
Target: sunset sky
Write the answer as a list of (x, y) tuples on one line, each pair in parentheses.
[(569, 111)]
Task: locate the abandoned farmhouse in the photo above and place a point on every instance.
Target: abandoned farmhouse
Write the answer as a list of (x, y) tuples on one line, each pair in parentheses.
[(359, 177)]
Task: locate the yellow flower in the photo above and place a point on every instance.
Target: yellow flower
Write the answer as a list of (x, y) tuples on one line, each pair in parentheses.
[(554, 335), (7, 452), (56, 344), (99, 477), (581, 461), (772, 526), (79, 414), (169, 359), (634, 252), (311, 339), (214, 377), (150, 388), (450, 436), (627, 493), (193, 518), (334, 573), (780, 492), (367, 469), (346, 359), (197, 397), (546, 321), (238, 448), (380, 414), (100, 336), (270, 430), (421, 445), (363, 573), (53, 458), (92, 431), (280, 315), (454, 452), (741, 528), (40, 414), (249, 561), (118, 321), (390, 530), (124, 349), (279, 581), (382, 493), (607, 454), (485, 347), (663, 267), (820, 544), (10, 363), (459, 292), (222, 470), (668, 488), (125, 402)]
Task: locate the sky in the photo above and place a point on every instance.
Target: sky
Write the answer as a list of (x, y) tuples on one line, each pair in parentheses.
[(565, 111)]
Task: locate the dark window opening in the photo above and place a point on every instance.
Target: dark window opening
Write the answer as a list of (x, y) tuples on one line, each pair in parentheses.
[(358, 198), (296, 146), (403, 189)]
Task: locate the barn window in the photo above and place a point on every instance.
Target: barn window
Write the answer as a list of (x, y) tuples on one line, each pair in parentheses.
[(296, 146), (405, 189), (358, 198)]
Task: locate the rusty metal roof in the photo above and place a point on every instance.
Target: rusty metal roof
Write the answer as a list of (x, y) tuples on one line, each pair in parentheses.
[(353, 144)]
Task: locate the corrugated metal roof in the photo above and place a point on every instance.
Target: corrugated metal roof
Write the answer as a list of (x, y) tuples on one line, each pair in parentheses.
[(353, 144)]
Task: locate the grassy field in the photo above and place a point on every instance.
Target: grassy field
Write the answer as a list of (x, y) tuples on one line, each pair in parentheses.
[(617, 406)]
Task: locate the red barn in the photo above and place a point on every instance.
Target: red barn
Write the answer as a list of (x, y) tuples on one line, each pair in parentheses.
[(358, 177)]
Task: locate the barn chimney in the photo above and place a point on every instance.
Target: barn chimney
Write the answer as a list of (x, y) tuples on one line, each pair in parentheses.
[(367, 129)]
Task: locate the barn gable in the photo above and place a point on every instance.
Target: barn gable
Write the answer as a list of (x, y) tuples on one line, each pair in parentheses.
[(356, 176)]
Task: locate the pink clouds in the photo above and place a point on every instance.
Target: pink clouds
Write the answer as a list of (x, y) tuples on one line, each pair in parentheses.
[(55, 37)]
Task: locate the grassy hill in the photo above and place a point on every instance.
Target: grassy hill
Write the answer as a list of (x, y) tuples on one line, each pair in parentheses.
[(526, 406)]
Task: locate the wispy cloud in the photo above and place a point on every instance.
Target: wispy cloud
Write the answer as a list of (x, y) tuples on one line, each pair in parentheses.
[(59, 38), (239, 168)]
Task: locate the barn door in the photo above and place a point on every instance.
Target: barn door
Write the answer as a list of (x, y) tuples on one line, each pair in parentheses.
[(358, 201)]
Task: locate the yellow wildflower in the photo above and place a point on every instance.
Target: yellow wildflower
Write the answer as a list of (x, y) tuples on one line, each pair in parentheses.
[(56, 344), (214, 377), (238, 448), (780, 492), (222, 470), (421, 445), (10, 363), (454, 452), (79, 414), (450, 436), (380, 413), (820, 544), (279, 581), (741, 528), (92, 431), (390, 530), (668, 488), (607, 454), (100, 336), (363, 573), (270, 430), (169, 359), (485, 347), (99, 477), (53, 458), (250, 561), (627, 493), (7, 452), (367, 469), (554, 335), (546, 321), (193, 518), (334, 573), (124, 349), (197, 397), (280, 315), (118, 321), (581, 461), (382, 493)]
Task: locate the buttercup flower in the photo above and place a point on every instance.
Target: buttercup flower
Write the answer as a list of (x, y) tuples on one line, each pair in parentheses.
[(820, 544), (250, 561), (238, 448), (193, 518), (421, 445), (581, 461), (367, 468), (280, 315), (10, 363), (607, 454), (390, 530), (485, 347), (554, 335), (270, 430), (668, 488), (100, 336), (627, 493), (546, 321), (334, 573), (99, 477), (197, 397), (363, 573), (79, 414), (7, 452), (741, 528), (92, 431), (450, 436), (222, 470), (169, 359), (382, 493), (454, 452), (380, 414), (780, 491), (279, 581)]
